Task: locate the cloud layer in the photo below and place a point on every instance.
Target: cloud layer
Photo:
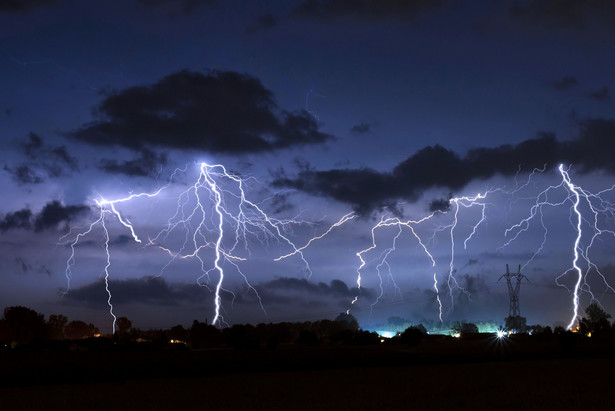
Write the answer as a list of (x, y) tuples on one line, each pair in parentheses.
[(217, 112), (51, 216), (438, 167)]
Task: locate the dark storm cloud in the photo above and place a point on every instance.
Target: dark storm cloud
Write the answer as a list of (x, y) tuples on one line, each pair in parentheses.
[(147, 290), (300, 291), (185, 6), (20, 6), (35, 149), (566, 14), (263, 23), (52, 215), (370, 10), (438, 167), (46, 161), (218, 112), (601, 95), (145, 165), (21, 219), (55, 213), (565, 83), (361, 128), (157, 291), (23, 174), (335, 288), (440, 204)]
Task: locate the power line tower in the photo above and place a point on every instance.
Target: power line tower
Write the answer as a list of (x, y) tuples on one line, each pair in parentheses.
[(513, 290)]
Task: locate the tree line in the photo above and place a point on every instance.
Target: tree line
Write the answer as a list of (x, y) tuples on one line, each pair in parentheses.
[(22, 326)]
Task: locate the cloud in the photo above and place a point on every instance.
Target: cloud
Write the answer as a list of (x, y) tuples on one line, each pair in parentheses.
[(601, 95), (361, 128), (440, 204), (565, 14), (263, 23), (55, 213), (157, 291), (52, 215), (367, 10), (146, 290), (35, 149), (145, 165), (438, 167), (185, 6), (23, 174), (565, 83), (22, 6), (217, 112), (302, 292), (46, 161), (21, 219)]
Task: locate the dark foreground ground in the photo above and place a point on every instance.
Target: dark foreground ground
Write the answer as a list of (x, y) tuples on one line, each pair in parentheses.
[(476, 374)]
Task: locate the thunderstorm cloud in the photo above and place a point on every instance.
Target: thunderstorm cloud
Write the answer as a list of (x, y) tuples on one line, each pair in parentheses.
[(44, 161), (216, 112), (146, 164), (51, 216), (158, 291), (438, 167)]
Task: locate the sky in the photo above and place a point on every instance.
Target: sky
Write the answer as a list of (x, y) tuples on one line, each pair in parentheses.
[(381, 111)]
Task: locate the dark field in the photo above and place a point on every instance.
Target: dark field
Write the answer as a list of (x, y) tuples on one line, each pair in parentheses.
[(477, 373)]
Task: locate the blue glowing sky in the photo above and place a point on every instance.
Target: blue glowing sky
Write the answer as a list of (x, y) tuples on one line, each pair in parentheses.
[(380, 107)]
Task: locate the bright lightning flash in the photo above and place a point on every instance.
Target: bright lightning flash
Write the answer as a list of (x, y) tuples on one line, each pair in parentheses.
[(213, 213)]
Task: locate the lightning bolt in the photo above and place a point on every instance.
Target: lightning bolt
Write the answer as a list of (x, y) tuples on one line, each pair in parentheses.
[(577, 241), (213, 213), (578, 197)]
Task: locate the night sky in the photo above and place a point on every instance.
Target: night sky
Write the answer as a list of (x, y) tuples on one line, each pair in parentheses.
[(386, 109)]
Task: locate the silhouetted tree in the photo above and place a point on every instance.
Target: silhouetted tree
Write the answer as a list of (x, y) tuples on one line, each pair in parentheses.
[(281, 333), (465, 328), (363, 337), (307, 337), (56, 327), (203, 335), (5, 336), (597, 321), (347, 321), (24, 325), (123, 325), (412, 335), (242, 337), (76, 330), (178, 332)]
